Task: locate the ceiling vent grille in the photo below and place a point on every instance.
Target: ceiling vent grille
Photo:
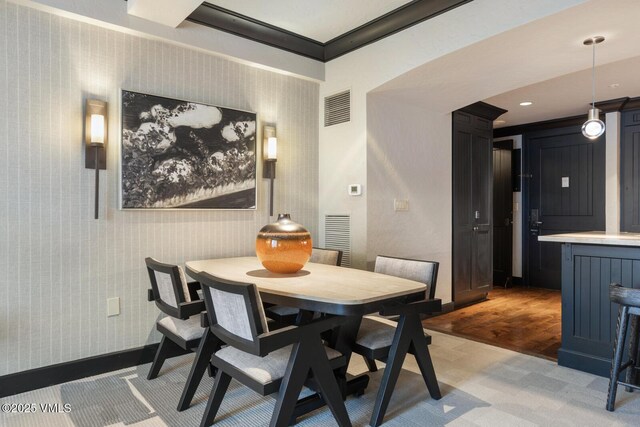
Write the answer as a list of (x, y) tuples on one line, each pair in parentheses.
[(337, 108), (337, 235)]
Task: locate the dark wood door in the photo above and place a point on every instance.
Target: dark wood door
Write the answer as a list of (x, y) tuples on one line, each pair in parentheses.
[(502, 213), (472, 214), (566, 194)]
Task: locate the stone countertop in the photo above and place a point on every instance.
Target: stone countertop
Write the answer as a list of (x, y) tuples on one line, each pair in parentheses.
[(594, 238)]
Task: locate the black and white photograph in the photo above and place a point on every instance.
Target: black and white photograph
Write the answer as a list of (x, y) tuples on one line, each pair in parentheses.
[(186, 155)]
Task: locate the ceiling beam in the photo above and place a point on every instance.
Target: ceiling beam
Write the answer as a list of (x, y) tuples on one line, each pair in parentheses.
[(167, 12), (397, 20)]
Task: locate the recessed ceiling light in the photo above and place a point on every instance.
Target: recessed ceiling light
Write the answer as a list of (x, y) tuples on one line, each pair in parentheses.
[(499, 122), (614, 85), (526, 103)]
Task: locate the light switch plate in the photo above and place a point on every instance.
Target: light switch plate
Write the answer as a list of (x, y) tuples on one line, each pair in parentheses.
[(113, 306), (400, 205), (354, 189), (565, 182)]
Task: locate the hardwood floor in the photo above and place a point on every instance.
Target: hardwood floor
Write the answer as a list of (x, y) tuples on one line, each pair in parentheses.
[(526, 320)]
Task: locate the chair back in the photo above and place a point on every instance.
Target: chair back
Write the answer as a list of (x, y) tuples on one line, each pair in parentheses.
[(326, 256), (411, 269), (169, 286), (624, 296), (234, 311)]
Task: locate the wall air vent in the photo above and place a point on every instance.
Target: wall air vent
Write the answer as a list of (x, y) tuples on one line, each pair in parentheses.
[(337, 108), (337, 235)]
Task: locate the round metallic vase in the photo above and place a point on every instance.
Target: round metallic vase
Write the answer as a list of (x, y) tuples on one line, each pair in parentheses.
[(284, 246)]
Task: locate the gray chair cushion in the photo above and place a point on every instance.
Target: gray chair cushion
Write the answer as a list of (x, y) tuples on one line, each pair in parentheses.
[(263, 369), (420, 271), (186, 329), (165, 287), (282, 310), (324, 256), (374, 334)]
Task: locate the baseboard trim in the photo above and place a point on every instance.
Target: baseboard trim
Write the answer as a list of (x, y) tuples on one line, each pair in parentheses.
[(33, 379), (448, 307), (584, 362)]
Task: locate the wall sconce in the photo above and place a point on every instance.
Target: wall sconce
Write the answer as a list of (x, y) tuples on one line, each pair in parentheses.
[(95, 136), (270, 152)]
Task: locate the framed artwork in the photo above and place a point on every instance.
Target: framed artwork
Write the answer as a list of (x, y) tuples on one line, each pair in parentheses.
[(186, 155)]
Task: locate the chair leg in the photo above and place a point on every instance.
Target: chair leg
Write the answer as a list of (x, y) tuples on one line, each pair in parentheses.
[(218, 391), (164, 349), (202, 361), (211, 370), (371, 364), (632, 373), (616, 360), (423, 357), (326, 380), (294, 378), (397, 353), (420, 351)]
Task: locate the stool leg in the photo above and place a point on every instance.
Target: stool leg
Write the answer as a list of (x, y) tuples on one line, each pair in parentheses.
[(633, 352), (616, 360)]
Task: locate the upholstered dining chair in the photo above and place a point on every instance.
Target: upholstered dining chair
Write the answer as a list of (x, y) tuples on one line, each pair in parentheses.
[(379, 339), (284, 315), (178, 299), (267, 361)]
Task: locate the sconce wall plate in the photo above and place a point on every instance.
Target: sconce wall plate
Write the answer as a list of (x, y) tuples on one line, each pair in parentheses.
[(94, 106)]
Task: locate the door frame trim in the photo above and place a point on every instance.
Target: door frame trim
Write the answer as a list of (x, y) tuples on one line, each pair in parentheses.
[(507, 145)]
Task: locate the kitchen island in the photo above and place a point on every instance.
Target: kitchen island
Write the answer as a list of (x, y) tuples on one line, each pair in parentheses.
[(590, 262)]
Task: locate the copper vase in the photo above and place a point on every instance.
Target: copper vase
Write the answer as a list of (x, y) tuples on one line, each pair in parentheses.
[(284, 246)]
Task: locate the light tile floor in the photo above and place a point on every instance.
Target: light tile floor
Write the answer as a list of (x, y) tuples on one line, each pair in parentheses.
[(482, 386)]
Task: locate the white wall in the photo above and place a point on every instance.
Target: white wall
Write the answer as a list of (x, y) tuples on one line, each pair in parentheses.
[(58, 264), (409, 157), (343, 148)]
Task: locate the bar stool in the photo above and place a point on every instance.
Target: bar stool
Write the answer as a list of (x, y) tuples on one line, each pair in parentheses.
[(629, 301)]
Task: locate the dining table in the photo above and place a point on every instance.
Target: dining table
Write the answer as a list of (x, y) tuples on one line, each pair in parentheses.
[(316, 288)]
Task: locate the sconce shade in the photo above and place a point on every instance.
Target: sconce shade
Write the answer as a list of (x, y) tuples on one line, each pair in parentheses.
[(95, 125), (97, 129), (272, 148)]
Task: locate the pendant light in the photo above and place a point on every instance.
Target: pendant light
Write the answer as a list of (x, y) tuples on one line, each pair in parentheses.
[(593, 127)]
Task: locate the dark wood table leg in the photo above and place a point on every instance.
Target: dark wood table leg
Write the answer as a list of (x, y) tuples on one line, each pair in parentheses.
[(342, 340), (208, 345)]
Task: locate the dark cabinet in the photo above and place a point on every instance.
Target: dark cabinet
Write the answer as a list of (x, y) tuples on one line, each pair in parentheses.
[(472, 203)]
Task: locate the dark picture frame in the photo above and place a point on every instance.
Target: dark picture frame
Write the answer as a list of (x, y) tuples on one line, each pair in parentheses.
[(177, 154)]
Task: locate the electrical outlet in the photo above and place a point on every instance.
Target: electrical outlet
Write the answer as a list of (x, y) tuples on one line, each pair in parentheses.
[(400, 205), (113, 306)]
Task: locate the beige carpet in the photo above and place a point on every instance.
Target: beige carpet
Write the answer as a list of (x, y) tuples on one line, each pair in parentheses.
[(482, 386)]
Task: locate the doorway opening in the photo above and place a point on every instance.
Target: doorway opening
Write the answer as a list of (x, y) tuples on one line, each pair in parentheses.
[(545, 181)]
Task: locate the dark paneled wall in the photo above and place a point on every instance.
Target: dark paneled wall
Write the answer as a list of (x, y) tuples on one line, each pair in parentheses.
[(588, 317), (630, 171)]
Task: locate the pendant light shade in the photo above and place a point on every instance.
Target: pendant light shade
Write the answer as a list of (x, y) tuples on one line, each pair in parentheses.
[(593, 127)]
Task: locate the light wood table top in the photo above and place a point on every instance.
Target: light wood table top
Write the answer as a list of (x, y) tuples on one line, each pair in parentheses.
[(317, 287)]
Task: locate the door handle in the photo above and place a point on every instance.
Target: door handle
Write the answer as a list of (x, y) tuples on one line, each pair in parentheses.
[(476, 228)]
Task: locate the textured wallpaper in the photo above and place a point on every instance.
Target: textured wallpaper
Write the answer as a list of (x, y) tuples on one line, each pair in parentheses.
[(59, 265)]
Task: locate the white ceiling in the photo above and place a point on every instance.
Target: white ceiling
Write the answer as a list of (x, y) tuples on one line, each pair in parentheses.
[(516, 63), (569, 95), (320, 20)]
